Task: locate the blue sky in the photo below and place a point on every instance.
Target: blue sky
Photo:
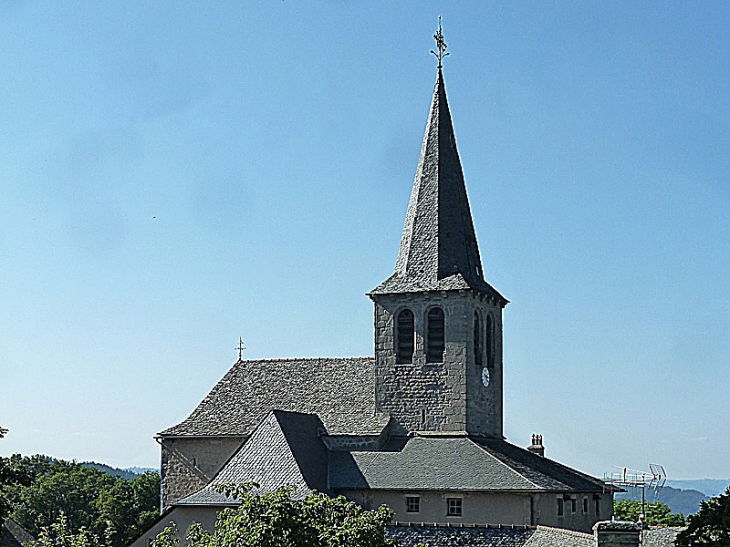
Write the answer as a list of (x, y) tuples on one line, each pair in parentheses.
[(176, 175)]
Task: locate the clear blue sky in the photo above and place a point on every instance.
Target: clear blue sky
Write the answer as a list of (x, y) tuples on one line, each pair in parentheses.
[(174, 175)]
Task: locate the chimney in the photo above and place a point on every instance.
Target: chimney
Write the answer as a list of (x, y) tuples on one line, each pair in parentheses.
[(617, 533), (536, 447)]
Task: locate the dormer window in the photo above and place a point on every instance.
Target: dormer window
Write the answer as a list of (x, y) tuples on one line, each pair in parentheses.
[(435, 330), (404, 337)]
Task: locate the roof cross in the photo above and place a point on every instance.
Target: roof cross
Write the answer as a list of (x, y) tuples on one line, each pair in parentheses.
[(440, 44), (240, 348)]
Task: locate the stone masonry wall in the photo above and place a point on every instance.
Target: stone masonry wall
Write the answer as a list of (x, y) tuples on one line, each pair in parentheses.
[(441, 397), (188, 464), (484, 405)]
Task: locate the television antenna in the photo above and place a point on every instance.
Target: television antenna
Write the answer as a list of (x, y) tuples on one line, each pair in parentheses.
[(655, 480)]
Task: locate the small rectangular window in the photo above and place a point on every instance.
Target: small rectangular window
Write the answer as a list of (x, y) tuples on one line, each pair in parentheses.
[(585, 505), (413, 504), (573, 505), (598, 505), (561, 509), (453, 507)]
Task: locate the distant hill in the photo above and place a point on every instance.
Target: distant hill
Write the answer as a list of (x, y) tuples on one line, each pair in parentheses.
[(686, 502), (709, 487), (128, 473), (141, 470)]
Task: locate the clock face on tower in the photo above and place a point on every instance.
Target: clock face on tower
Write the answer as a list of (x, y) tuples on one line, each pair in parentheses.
[(485, 377)]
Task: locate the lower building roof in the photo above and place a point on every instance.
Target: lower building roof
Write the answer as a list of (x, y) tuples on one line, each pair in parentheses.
[(13, 534), (411, 535), (455, 463), (284, 450), (487, 536)]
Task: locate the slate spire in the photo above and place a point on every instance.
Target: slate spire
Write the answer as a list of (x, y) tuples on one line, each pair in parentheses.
[(438, 249)]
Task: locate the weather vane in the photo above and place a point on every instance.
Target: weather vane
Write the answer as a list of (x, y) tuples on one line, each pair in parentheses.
[(240, 348), (440, 44)]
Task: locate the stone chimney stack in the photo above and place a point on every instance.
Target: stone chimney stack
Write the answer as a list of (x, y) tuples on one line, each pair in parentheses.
[(617, 533), (536, 447)]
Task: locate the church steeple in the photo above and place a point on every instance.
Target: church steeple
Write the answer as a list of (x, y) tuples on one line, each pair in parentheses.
[(438, 249), (438, 323)]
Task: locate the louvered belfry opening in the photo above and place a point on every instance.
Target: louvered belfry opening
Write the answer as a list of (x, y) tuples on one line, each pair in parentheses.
[(477, 340), (435, 330), (490, 342), (404, 337)]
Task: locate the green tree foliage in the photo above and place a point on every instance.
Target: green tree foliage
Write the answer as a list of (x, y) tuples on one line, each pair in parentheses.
[(657, 513), (277, 520), (59, 534), (13, 474), (85, 498), (710, 525)]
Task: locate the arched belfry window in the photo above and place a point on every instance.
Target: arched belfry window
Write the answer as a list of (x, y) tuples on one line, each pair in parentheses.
[(478, 350), (404, 337), (490, 341), (435, 329)]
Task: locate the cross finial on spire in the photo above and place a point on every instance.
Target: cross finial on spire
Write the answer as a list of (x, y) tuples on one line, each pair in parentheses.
[(240, 348), (440, 45)]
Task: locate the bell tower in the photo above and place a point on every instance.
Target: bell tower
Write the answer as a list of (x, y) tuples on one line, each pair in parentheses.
[(438, 323)]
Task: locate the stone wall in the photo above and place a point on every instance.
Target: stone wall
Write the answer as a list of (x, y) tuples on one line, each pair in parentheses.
[(189, 463), (447, 396)]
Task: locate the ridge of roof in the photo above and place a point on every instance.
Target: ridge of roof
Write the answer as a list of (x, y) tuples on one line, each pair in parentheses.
[(438, 249), (305, 359)]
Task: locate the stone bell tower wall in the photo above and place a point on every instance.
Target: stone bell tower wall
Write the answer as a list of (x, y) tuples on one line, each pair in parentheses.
[(446, 396)]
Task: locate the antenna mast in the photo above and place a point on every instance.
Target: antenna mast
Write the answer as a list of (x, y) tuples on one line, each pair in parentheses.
[(654, 479)]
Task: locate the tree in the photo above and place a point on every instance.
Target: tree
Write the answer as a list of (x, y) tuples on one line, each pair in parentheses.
[(710, 525), (277, 520), (657, 513), (59, 534), (105, 505), (12, 474)]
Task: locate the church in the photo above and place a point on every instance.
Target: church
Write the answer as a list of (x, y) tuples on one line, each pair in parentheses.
[(419, 425)]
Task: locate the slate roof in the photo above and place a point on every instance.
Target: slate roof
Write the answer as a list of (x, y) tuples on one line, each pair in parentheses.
[(488, 536), (506, 536), (546, 473), (455, 463), (341, 391), (284, 450), (438, 249), (660, 537), (14, 535)]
